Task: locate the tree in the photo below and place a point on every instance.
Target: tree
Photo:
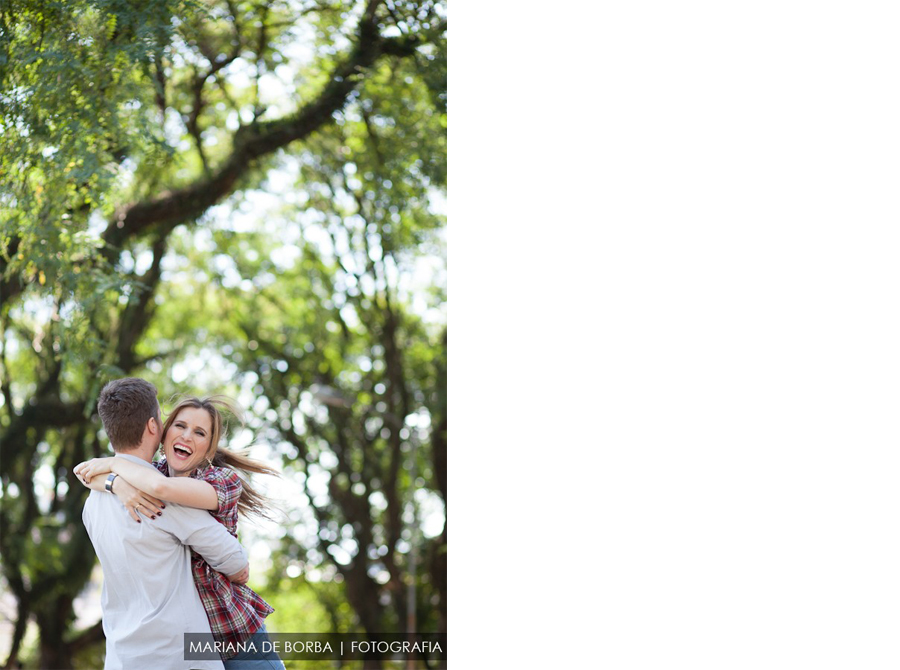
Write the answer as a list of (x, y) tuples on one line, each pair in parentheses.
[(123, 125)]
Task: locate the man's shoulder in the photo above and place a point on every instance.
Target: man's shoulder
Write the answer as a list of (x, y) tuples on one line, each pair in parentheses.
[(94, 501), (88, 508)]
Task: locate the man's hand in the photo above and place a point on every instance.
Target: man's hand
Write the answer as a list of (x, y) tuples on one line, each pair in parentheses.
[(241, 577)]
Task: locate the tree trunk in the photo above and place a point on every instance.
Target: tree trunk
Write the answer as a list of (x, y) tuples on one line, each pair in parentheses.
[(22, 616), (52, 619)]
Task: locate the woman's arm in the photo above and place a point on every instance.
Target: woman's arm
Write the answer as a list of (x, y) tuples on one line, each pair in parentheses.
[(95, 483), (88, 470), (134, 500), (181, 490)]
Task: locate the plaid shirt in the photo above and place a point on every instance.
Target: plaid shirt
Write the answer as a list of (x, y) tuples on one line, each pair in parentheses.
[(235, 611)]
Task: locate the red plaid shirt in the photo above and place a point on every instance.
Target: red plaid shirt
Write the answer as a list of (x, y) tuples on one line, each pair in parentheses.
[(235, 611)]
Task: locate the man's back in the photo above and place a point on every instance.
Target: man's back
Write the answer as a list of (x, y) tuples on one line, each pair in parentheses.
[(149, 599)]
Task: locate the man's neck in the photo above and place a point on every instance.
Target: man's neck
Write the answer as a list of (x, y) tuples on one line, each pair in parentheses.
[(138, 452)]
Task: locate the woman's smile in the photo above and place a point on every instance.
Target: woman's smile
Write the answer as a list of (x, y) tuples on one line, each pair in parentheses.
[(182, 450), (187, 441)]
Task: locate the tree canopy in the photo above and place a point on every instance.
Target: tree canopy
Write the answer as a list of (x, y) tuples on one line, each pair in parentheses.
[(240, 197)]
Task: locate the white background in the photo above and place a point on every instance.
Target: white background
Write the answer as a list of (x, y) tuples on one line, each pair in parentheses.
[(674, 272)]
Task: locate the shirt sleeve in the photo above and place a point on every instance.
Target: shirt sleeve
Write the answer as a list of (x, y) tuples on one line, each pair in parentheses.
[(209, 538), (228, 488)]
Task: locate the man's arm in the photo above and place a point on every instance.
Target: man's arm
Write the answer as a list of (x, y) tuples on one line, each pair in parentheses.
[(206, 536)]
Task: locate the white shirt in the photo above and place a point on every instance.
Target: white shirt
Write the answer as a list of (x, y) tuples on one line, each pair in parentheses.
[(149, 599)]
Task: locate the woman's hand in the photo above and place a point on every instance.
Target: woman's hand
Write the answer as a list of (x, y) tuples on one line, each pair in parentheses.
[(135, 501), (87, 470), (95, 484)]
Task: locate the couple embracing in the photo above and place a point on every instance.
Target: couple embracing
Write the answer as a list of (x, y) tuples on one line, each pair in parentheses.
[(166, 533)]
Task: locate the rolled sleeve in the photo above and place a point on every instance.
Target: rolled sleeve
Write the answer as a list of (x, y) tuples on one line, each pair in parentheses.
[(228, 488)]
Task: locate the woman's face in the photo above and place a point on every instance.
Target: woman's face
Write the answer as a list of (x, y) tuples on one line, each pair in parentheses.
[(187, 441)]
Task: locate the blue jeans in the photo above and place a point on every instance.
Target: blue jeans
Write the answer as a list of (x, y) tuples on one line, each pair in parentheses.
[(259, 660)]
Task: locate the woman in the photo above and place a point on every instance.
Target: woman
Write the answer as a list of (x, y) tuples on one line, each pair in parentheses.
[(197, 472)]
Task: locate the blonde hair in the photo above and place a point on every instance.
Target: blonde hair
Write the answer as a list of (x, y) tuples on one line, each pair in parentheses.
[(219, 406)]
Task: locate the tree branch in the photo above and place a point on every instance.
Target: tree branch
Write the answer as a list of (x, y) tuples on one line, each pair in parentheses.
[(12, 285), (139, 310), (250, 143)]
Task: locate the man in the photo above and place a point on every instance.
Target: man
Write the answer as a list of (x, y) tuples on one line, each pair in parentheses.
[(149, 600)]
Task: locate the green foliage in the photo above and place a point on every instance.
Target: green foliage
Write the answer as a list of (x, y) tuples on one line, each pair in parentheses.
[(299, 606), (193, 193), (71, 74)]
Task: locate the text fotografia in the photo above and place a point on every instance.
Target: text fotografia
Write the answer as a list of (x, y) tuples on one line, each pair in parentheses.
[(308, 647), (322, 646)]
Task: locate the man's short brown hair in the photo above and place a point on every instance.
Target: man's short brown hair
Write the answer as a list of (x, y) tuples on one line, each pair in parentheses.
[(125, 405)]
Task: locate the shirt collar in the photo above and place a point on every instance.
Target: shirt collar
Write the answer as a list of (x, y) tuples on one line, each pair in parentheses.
[(134, 459)]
